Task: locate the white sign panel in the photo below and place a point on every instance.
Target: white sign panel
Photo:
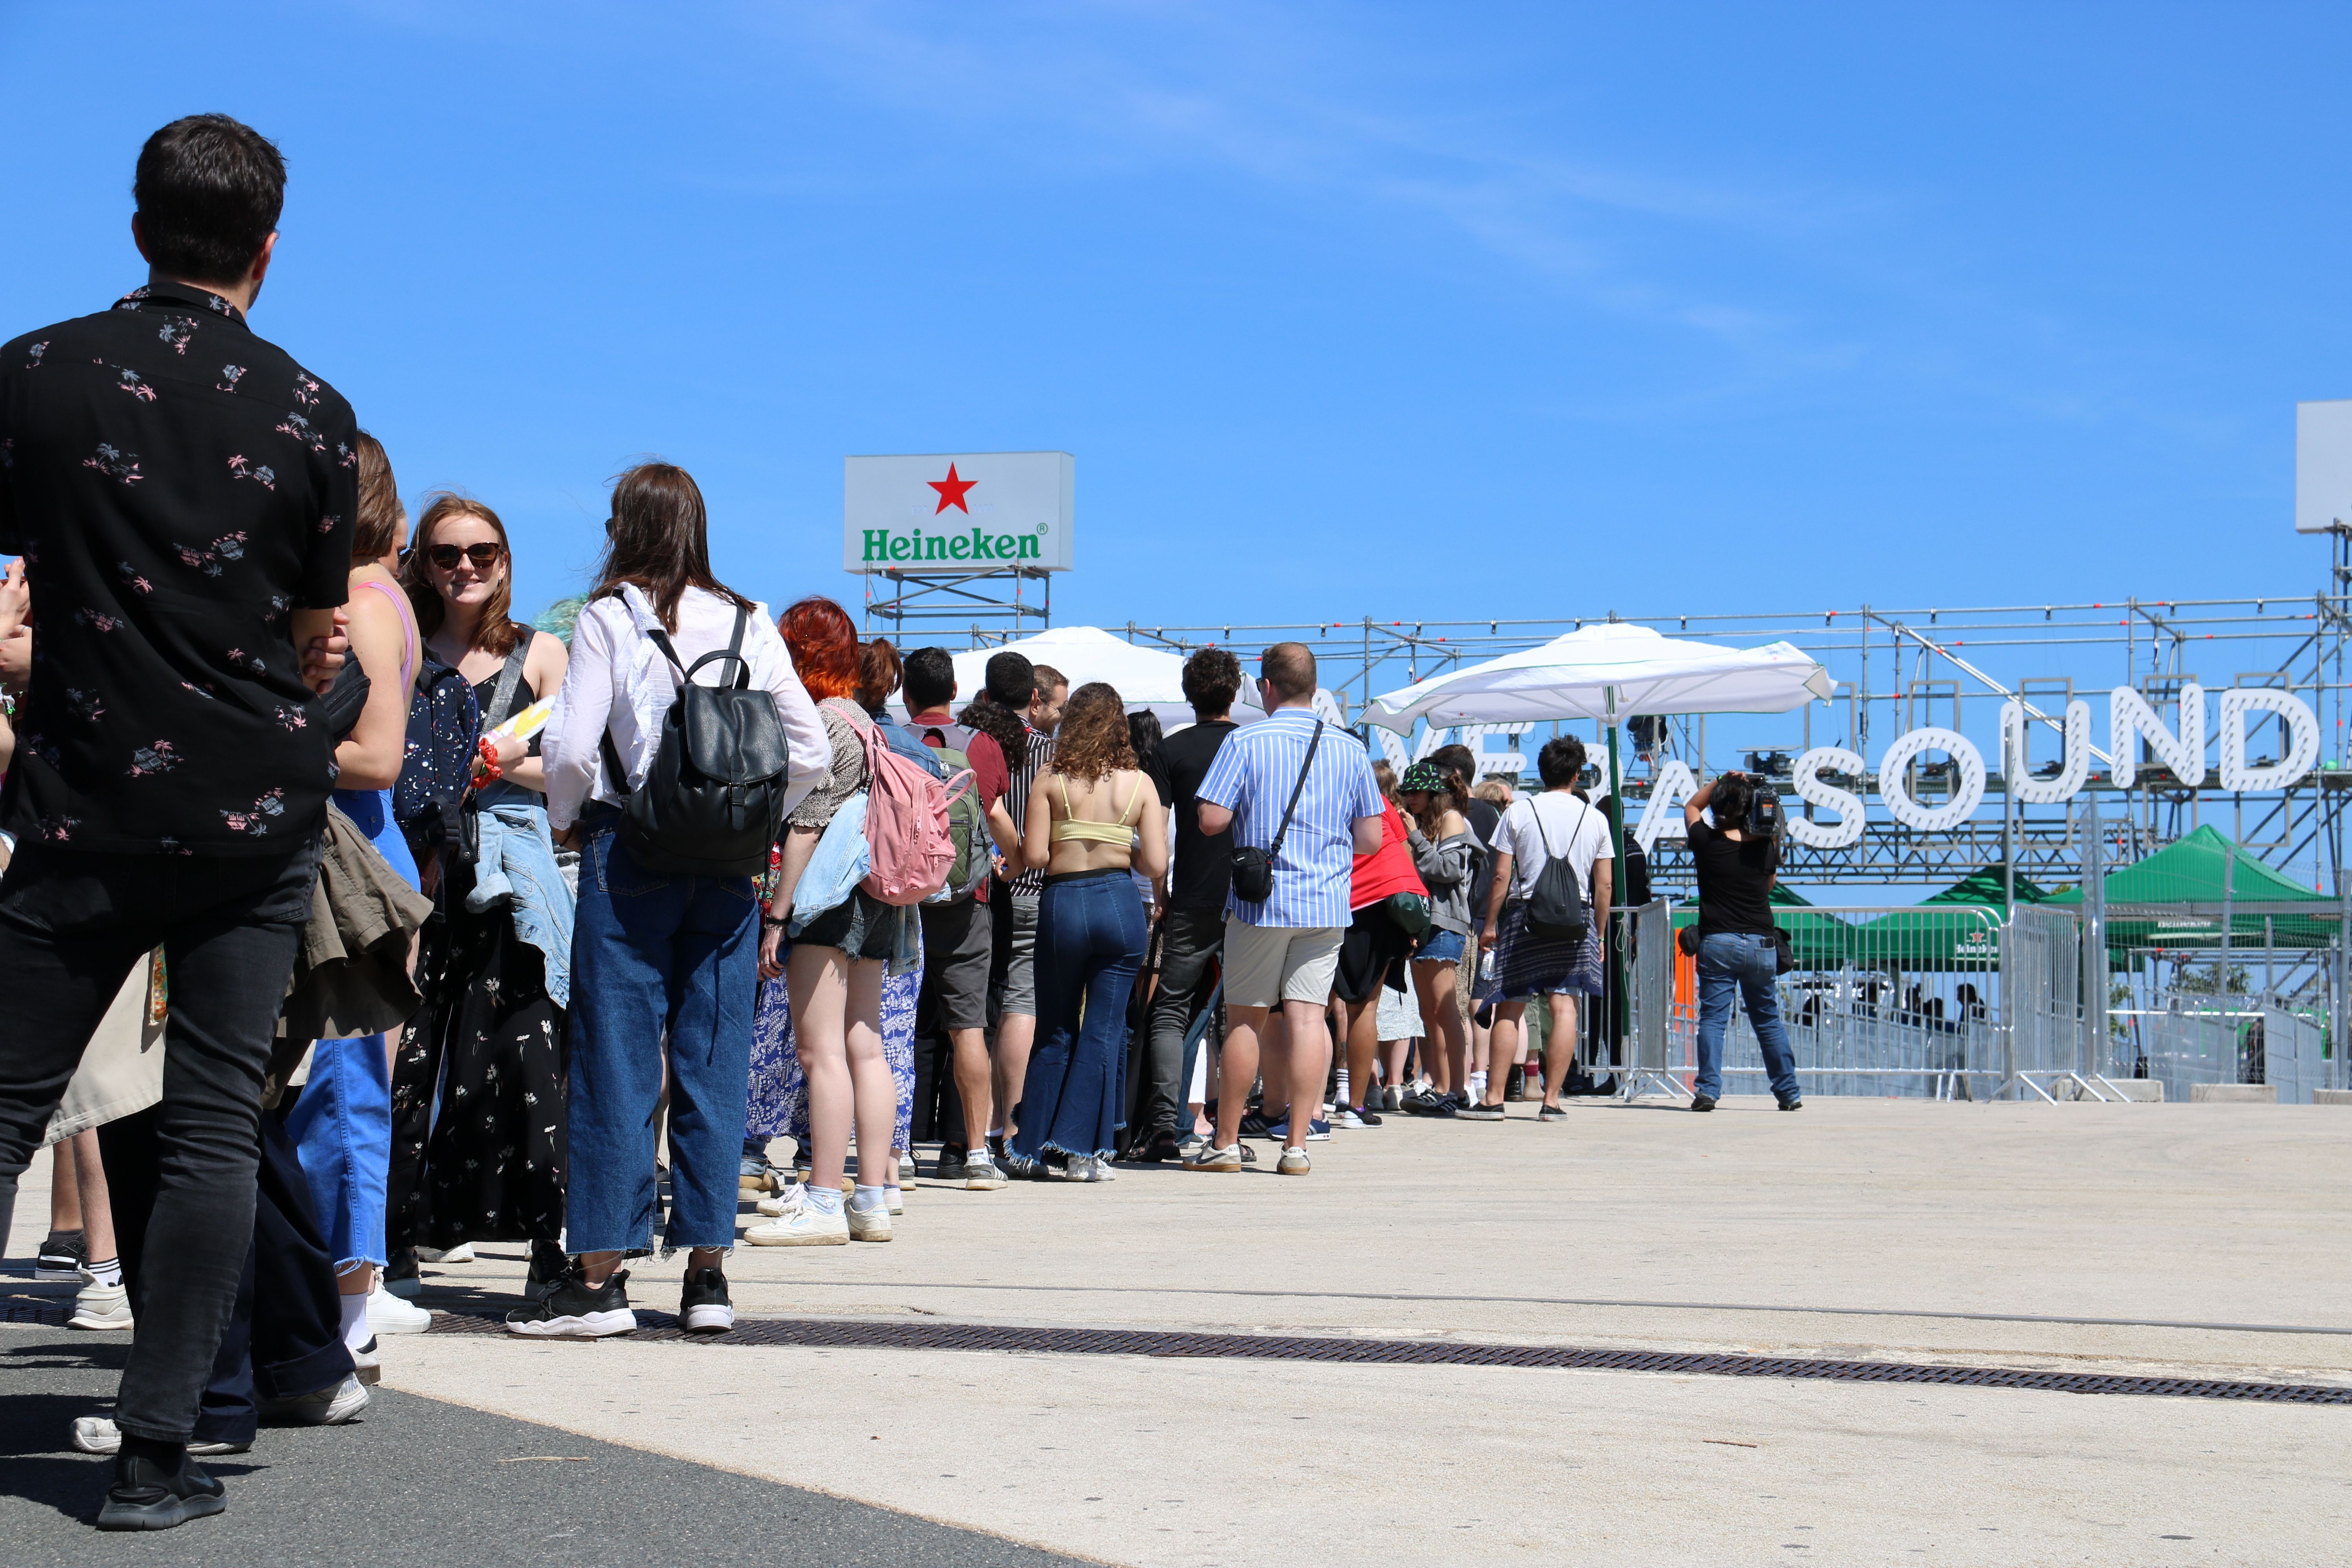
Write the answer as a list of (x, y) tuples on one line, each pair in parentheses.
[(958, 511), (2323, 466)]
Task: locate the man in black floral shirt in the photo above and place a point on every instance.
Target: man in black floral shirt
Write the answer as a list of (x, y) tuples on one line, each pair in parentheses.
[(181, 493)]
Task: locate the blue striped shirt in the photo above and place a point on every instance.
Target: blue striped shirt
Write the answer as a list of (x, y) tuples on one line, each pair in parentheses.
[(1253, 776)]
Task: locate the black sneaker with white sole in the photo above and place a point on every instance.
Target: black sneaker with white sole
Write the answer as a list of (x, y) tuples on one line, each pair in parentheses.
[(574, 1311), (702, 1304), (62, 1254), (153, 1494), (1484, 1112)]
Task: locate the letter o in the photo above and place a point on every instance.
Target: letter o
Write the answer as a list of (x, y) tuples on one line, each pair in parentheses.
[(1964, 801)]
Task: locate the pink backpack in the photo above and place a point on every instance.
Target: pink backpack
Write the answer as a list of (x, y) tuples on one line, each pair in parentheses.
[(907, 830)]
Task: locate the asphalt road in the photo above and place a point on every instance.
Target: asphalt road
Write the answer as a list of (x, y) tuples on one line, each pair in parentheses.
[(419, 1480)]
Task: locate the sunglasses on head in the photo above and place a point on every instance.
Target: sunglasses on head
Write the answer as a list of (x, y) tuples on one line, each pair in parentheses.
[(445, 557)]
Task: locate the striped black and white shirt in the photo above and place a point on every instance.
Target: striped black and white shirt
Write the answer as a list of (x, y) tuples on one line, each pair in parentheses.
[(1023, 773)]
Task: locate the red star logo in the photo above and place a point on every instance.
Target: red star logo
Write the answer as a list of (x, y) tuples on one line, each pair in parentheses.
[(952, 490)]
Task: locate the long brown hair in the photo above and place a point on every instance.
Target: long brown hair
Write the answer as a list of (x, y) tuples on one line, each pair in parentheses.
[(380, 514), (1093, 741), (658, 538), (1435, 804), (497, 632)]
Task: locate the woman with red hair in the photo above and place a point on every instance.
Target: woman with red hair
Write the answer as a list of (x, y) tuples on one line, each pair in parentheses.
[(834, 968)]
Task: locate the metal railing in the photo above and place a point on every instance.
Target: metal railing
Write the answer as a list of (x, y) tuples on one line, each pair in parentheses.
[(1955, 1002)]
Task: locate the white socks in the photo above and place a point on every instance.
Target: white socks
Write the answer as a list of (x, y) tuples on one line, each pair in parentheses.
[(356, 1331), (865, 1200), (105, 1271)]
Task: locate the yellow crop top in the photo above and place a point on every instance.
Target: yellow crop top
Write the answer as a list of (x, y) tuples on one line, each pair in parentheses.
[(1120, 832)]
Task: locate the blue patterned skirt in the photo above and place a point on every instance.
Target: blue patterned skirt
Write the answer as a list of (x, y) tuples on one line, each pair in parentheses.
[(778, 1103)]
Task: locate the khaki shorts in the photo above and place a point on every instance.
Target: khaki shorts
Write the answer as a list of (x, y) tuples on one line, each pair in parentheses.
[(1266, 964)]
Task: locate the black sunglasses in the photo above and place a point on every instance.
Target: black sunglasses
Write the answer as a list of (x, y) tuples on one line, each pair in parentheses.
[(445, 557)]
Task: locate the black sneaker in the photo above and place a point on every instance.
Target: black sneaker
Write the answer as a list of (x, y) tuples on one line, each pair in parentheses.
[(1552, 1114), (1792, 1105), (548, 1267), (702, 1306), (1369, 1114), (148, 1494), (400, 1275), (1255, 1125), (62, 1254), (1702, 1103), (574, 1311), (1162, 1148), (1484, 1113), (951, 1162), (1515, 1084)]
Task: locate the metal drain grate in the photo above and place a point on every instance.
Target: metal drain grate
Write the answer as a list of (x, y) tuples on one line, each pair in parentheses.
[(823, 1333)]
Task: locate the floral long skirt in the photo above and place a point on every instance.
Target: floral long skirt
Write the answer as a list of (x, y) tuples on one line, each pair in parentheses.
[(778, 1104)]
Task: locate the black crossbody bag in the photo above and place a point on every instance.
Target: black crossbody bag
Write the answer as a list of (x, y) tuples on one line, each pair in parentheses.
[(1253, 867)]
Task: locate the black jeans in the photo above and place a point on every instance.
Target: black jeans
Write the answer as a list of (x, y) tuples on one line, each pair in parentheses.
[(285, 1334), (71, 928), (1190, 941)]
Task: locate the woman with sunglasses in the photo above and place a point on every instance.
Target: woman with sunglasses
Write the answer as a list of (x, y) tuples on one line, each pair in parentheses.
[(496, 972)]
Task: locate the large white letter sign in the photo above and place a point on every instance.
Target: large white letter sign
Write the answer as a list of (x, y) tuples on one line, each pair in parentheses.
[(2076, 765), (2303, 738), (1953, 812), (2129, 717), (1663, 817), (1847, 830)]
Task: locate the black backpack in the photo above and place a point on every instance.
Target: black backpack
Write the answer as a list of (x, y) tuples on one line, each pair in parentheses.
[(713, 801), (444, 723), (1555, 906)]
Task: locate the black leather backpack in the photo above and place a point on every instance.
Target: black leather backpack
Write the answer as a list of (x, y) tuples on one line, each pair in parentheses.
[(713, 801)]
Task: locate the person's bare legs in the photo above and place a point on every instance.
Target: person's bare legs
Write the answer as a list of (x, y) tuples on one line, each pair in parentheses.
[(65, 1192), (974, 1084), (1559, 1046), (96, 1205), (1363, 1046), (819, 978), (1015, 1033), (1244, 1030), (1274, 1068), (1503, 1042), (873, 1092), (1309, 1049), (1446, 1039)]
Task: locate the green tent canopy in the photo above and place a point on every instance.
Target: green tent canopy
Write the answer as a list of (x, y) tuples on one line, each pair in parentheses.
[(2190, 871), (1818, 940), (1956, 929)]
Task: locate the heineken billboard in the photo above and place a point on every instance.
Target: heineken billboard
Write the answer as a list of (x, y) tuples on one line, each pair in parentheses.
[(960, 512)]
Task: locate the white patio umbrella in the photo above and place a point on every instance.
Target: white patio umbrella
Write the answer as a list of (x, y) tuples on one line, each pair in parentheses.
[(1145, 677), (1608, 671)]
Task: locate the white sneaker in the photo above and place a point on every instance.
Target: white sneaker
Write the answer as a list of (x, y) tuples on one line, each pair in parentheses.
[(98, 1306), (331, 1406), (461, 1253), (100, 1435), (786, 1200), (980, 1175), (869, 1225), (366, 1365), (388, 1314), (804, 1226), (895, 1199)]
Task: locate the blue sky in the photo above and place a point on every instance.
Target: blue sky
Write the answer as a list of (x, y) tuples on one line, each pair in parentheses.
[(1344, 309)]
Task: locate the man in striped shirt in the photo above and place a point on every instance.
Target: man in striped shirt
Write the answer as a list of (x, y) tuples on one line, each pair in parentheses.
[(1286, 949), (1037, 692)]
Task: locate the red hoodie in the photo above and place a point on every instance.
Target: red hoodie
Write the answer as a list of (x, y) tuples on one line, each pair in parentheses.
[(1387, 870)]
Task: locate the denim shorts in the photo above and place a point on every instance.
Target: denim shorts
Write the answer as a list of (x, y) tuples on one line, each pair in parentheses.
[(1444, 947)]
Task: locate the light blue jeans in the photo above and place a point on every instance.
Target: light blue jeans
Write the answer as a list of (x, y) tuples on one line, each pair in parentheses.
[(655, 954), (341, 1122), (1736, 961), (518, 865)]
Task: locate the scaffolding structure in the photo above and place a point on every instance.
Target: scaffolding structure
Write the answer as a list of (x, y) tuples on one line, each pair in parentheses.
[(1897, 669)]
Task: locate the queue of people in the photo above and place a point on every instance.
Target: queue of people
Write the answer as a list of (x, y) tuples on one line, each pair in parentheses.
[(453, 934)]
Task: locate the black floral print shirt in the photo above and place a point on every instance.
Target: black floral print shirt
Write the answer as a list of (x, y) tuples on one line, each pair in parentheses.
[(177, 487)]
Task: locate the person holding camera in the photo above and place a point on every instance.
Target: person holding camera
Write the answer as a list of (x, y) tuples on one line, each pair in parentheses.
[(1736, 857)]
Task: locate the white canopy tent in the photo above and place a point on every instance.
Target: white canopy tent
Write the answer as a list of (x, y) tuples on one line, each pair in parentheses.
[(1145, 677), (1609, 671)]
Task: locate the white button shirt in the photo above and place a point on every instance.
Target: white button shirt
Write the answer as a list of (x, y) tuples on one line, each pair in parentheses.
[(618, 678)]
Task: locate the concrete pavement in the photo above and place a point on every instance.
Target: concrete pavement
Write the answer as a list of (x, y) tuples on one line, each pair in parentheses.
[(2169, 1239)]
